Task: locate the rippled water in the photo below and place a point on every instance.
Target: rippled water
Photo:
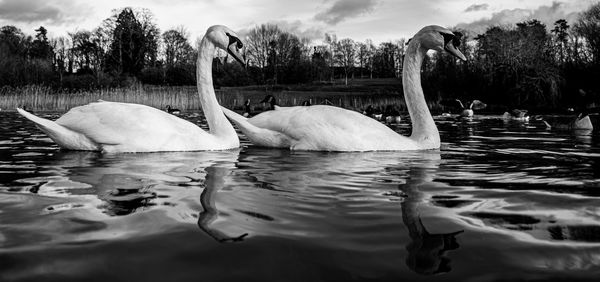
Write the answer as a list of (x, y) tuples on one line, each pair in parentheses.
[(499, 201)]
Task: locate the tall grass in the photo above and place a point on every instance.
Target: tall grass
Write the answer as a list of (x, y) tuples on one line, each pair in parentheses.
[(40, 98)]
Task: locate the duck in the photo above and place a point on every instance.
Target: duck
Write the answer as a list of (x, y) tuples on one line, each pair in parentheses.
[(247, 109), (114, 127), (269, 99), (475, 105), (516, 114), (580, 122), (172, 111), (392, 115), (330, 128), (374, 113)]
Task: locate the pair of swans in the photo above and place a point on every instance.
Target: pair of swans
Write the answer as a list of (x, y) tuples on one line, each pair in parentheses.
[(122, 127)]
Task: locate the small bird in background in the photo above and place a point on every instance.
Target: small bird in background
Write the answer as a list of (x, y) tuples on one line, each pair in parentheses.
[(475, 105), (271, 101), (392, 114), (172, 111), (516, 114), (580, 120), (247, 110)]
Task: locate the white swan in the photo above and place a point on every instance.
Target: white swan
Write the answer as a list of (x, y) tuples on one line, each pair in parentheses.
[(122, 127), (327, 128)]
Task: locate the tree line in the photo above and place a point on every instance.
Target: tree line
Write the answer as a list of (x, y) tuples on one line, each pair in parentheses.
[(526, 65)]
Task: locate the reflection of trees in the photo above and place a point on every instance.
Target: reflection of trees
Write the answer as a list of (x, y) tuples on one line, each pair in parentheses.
[(426, 251)]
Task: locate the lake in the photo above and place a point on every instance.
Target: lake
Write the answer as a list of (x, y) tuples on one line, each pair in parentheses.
[(499, 201)]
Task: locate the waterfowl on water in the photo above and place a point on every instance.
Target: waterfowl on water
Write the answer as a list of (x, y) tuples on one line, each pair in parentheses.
[(124, 127), (516, 114), (172, 111), (328, 128), (474, 105), (247, 110), (580, 122), (392, 114), (269, 99)]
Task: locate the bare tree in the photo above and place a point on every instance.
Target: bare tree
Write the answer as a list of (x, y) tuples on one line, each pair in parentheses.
[(259, 41), (344, 55), (588, 27)]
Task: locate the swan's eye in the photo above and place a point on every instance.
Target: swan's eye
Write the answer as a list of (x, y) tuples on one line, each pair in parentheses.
[(456, 38), (234, 40), (447, 38)]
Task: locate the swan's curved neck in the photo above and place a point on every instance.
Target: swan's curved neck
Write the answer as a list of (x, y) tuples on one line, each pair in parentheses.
[(424, 130), (217, 122)]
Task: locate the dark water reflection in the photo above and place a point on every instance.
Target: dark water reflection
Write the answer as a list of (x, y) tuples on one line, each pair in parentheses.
[(499, 201)]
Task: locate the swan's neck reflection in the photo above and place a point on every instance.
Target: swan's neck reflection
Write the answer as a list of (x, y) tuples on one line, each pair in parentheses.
[(215, 180), (426, 251)]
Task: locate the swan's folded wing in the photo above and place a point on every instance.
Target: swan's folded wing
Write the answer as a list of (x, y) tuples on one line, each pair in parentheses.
[(116, 123), (327, 128)]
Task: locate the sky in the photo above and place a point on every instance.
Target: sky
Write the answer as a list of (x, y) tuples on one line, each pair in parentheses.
[(378, 20)]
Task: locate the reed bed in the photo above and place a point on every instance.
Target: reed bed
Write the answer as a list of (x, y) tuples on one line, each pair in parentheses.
[(185, 98)]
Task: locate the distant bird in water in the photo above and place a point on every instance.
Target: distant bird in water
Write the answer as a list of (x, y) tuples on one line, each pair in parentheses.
[(172, 111), (247, 110), (516, 114), (580, 122), (475, 105), (271, 101), (369, 111), (374, 113), (391, 114)]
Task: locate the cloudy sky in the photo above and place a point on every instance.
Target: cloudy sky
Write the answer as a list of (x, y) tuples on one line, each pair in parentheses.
[(379, 20)]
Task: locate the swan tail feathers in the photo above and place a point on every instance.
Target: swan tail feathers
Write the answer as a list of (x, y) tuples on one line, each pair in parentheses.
[(258, 136), (63, 136)]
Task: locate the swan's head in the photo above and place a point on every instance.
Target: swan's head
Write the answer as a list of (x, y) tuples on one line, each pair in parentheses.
[(440, 39), (226, 39)]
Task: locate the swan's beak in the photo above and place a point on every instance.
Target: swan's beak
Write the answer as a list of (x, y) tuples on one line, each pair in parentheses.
[(450, 48), (236, 50)]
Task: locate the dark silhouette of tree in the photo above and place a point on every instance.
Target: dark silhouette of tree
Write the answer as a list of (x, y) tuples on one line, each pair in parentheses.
[(588, 27), (561, 40), (179, 58), (134, 42)]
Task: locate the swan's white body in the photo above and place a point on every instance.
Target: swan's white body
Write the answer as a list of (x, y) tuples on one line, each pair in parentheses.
[(327, 128), (124, 127), (322, 128)]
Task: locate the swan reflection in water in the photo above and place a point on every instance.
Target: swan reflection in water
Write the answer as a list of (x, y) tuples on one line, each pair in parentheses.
[(214, 182), (427, 253), (275, 193)]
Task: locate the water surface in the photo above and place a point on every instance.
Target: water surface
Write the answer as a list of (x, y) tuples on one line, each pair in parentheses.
[(499, 201)]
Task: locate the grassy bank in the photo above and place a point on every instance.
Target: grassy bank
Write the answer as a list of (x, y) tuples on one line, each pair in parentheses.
[(356, 96)]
